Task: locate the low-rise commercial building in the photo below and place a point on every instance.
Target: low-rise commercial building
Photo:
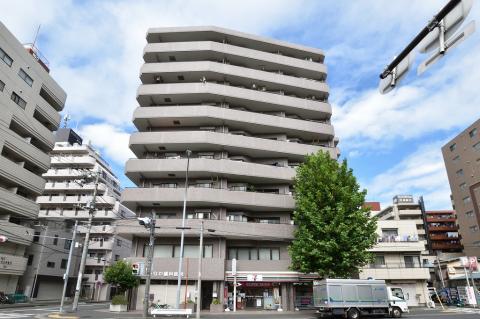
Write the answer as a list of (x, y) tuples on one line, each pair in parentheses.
[(398, 260), (30, 102)]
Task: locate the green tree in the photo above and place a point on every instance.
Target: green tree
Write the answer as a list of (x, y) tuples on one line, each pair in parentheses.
[(120, 274), (334, 231)]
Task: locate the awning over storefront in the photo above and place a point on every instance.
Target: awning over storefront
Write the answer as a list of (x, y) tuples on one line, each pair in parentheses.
[(270, 276)]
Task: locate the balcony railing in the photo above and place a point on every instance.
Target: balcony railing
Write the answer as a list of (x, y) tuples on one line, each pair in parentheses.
[(397, 238), (395, 266)]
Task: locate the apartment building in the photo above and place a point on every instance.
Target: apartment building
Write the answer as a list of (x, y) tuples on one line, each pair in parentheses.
[(442, 232), (30, 100), (249, 108), (398, 260), (406, 207), (61, 204), (462, 160)]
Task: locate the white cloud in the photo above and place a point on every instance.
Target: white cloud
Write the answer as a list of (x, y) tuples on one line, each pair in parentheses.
[(110, 140), (421, 173)]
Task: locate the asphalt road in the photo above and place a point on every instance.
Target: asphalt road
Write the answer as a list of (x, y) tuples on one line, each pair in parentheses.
[(94, 311)]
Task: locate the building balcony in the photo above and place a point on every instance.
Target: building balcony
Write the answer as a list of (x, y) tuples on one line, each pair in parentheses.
[(395, 272), (409, 244), (451, 228), (447, 246), (16, 204), (101, 245), (192, 71), (178, 141), (74, 200), (18, 175), (224, 228), (167, 268), (441, 237), (24, 149), (98, 229), (70, 149), (48, 112), (260, 101), (17, 234), (73, 161), (441, 219), (64, 173), (75, 187), (12, 264), (100, 214), (209, 50), (138, 169), (212, 115), (207, 197), (92, 261), (35, 129)]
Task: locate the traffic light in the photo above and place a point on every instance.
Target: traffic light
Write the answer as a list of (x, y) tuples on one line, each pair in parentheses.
[(135, 269)]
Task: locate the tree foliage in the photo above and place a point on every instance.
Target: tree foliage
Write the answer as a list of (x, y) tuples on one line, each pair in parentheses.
[(334, 231), (120, 274)]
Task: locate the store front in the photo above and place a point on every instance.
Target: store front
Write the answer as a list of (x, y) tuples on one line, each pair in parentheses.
[(255, 296)]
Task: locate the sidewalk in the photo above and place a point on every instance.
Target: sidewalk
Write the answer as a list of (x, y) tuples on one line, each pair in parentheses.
[(32, 303)]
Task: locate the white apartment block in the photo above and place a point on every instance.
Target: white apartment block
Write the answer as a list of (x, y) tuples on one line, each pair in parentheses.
[(30, 102), (66, 193), (398, 260)]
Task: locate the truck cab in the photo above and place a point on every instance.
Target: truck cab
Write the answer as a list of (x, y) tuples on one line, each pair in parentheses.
[(396, 298)]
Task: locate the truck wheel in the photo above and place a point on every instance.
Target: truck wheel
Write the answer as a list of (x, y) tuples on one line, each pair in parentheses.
[(396, 312), (353, 313)]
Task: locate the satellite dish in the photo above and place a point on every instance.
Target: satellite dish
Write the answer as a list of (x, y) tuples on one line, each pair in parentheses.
[(391, 81), (451, 22), (449, 44)]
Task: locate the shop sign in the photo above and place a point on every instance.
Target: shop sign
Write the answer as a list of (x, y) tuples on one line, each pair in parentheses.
[(166, 274), (254, 277), (257, 284), (4, 261)]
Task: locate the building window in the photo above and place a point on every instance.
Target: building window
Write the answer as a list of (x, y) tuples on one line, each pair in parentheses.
[(55, 240), (18, 100), (67, 244), (25, 77), (191, 251), (36, 237), (5, 57), (453, 147), (456, 159), (459, 172), (63, 264), (30, 260), (411, 261), (467, 200), (117, 257), (463, 186), (389, 232), (245, 253), (2, 86), (474, 228), (473, 132), (469, 213), (476, 243), (50, 264), (119, 242), (477, 146)]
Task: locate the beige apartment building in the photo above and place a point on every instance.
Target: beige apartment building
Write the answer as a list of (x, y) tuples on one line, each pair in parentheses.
[(29, 104), (398, 260), (462, 160), (249, 108), (61, 204)]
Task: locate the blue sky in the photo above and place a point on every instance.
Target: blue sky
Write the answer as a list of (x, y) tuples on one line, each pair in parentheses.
[(392, 142)]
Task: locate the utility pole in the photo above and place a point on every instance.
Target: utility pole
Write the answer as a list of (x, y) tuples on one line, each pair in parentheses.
[(151, 225), (91, 211), (69, 262), (39, 262), (199, 279), (182, 238)]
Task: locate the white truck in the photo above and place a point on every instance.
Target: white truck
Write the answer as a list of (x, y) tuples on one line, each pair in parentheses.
[(353, 298)]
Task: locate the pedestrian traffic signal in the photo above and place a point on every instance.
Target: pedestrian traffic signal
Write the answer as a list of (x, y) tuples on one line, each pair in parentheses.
[(135, 268)]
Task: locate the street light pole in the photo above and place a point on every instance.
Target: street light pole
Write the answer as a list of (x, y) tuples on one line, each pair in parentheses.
[(199, 279), (91, 212), (182, 238), (148, 269), (69, 262)]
